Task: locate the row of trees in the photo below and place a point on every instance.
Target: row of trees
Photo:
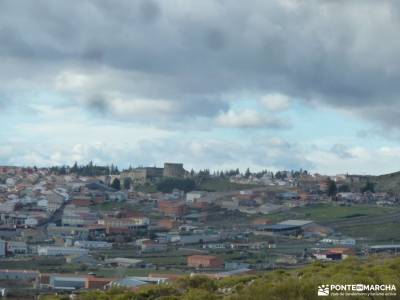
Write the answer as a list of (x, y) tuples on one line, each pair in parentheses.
[(333, 188), (94, 170), (85, 170), (167, 185), (248, 173)]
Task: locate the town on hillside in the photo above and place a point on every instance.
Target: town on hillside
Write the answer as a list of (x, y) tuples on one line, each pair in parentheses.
[(74, 228)]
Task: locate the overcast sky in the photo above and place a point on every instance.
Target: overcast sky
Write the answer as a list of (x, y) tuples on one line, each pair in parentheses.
[(277, 84)]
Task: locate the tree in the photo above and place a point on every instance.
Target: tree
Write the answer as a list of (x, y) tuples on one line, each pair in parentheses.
[(116, 184), (197, 282), (74, 168), (199, 294), (369, 187), (332, 189), (344, 188), (280, 175), (127, 183), (167, 185), (247, 173), (63, 170)]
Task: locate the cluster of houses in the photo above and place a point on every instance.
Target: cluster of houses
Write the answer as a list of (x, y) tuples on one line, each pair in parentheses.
[(71, 282), (75, 282), (314, 187), (47, 215)]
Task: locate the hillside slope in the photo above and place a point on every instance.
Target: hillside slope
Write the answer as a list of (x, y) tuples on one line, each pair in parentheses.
[(277, 285), (388, 182)]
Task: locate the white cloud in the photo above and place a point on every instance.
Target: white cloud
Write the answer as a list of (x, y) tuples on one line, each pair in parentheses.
[(360, 152), (71, 81), (194, 152), (275, 102), (362, 160), (390, 152), (141, 107), (249, 119), (277, 141), (6, 151), (55, 112)]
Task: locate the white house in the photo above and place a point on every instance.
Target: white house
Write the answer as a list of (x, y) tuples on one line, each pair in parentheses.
[(93, 244), (60, 251), (43, 203), (31, 222), (341, 241), (16, 247), (193, 196)]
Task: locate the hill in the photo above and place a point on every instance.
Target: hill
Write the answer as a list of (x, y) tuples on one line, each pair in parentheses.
[(388, 182), (382, 183), (299, 284)]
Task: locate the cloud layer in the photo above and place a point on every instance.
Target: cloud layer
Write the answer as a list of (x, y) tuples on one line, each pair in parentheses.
[(341, 53), (187, 64)]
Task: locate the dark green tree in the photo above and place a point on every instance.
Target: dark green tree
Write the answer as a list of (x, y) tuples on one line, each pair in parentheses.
[(167, 185), (127, 183), (116, 184), (247, 173), (74, 168), (343, 188), (332, 188), (369, 187)]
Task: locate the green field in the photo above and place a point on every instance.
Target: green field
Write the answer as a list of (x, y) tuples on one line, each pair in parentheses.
[(206, 184), (332, 213), (383, 233), (113, 205), (46, 265), (146, 188), (222, 185), (367, 222)]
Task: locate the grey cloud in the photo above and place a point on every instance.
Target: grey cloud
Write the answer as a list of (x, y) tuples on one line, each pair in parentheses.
[(98, 104), (150, 10), (6, 100), (215, 39), (341, 151), (2, 100), (363, 134), (344, 54)]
